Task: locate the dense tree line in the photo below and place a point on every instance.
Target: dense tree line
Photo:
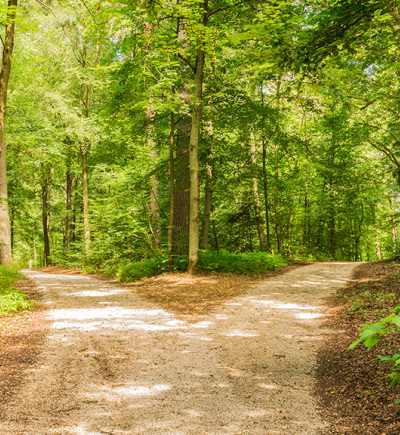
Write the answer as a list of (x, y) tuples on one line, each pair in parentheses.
[(135, 129)]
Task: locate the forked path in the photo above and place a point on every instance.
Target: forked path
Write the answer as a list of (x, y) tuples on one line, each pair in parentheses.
[(114, 363)]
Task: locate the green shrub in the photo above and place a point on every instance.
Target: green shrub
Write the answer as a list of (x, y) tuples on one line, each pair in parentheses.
[(11, 299), (214, 261)]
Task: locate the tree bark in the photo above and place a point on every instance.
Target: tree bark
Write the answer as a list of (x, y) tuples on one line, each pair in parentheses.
[(194, 166), (68, 201), (46, 177), (5, 231), (154, 206), (331, 223), (260, 230), (278, 228), (194, 152), (393, 222), (216, 246), (85, 201), (171, 191), (182, 184), (266, 199), (75, 210), (207, 205)]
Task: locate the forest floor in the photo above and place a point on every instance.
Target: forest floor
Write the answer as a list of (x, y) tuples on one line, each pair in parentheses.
[(354, 397), (114, 362)]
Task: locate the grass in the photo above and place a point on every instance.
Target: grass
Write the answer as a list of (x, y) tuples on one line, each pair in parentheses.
[(252, 263), (11, 299)]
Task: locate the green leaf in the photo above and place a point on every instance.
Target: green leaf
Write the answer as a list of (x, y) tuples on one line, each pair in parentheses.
[(371, 341)]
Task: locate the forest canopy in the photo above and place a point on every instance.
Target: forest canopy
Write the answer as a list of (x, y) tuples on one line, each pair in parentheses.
[(137, 130)]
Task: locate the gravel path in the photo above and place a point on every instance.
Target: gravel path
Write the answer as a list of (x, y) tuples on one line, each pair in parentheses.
[(114, 363)]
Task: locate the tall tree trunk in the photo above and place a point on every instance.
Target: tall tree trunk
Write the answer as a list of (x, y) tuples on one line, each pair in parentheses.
[(216, 246), (68, 201), (180, 230), (305, 216), (194, 162), (182, 183), (46, 211), (265, 179), (278, 227), (331, 223), (207, 204), (255, 192), (171, 191), (265, 183), (5, 231), (75, 210), (85, 151), (154, 206), (85, 201), (393, 222), (377, 244)]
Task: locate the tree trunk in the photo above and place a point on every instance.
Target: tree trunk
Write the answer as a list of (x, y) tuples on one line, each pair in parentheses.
[(5, 231), (278, 228), (194, 165), (255, 193), (46, 212), (171, 191), (216, 246), (182, 183), (265, 183), (305, 216), (154, 206), (75, 210), (331, 223), (377, 244), (85, 201), (207, 205), (68, 200), (393, 222)]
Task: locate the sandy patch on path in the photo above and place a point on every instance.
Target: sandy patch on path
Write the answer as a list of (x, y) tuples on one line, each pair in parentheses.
[(116, 364)]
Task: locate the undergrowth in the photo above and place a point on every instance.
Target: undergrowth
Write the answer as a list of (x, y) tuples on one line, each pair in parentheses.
[(11, 299), (211, 261)]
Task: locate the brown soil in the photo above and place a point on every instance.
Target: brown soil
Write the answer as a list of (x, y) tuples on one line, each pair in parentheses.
[(355, 398), (185, 294), (21, 338)]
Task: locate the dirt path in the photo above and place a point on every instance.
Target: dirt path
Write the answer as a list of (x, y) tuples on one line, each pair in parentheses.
[(116, 364)]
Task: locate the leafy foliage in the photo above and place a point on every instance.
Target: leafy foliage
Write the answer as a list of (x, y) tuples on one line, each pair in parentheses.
[(11, 299), (212, 261)]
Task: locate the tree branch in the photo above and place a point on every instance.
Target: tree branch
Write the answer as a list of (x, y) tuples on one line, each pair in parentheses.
[(186, 60), (90, 12)]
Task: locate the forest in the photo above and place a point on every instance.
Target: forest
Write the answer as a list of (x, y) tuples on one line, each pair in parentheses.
[(168, 129)]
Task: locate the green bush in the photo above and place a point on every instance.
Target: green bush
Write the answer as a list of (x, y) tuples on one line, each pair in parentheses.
[(11, 299), (214, 261), (371, 335)]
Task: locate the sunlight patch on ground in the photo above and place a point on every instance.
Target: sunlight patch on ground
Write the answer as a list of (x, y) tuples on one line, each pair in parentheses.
[(95, 293), (303, 283), (102, 313), (142, 390), (53, 276), (268, 386), (236, 373), (193, 413), (283, 306), (259, 413), (308, 316), (114, 318), (239, 333), (202, 324)]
